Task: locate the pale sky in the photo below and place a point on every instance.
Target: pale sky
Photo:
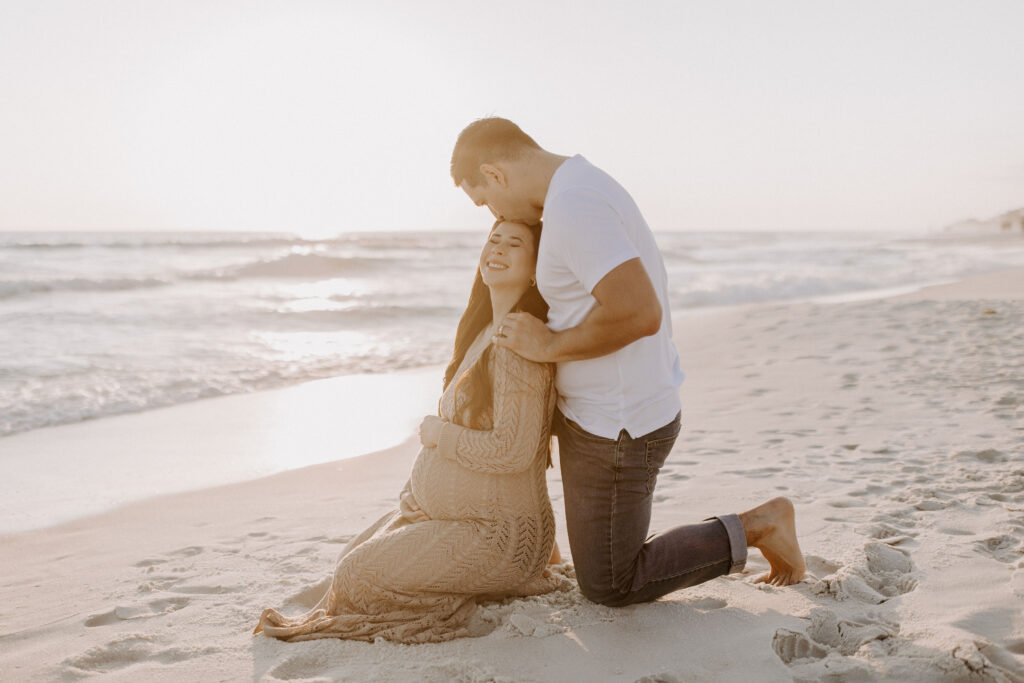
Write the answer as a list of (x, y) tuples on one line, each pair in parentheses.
[(332, 116)]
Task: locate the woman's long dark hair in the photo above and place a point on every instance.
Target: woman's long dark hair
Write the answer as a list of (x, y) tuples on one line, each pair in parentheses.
[(475, 383)]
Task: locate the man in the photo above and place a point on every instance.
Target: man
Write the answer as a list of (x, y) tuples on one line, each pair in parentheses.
[(609, 331)]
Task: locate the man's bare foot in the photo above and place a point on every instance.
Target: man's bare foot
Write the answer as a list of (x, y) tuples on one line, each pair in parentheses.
[(771, 528)]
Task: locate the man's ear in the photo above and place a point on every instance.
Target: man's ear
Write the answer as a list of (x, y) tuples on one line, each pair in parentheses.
[(494, 174)]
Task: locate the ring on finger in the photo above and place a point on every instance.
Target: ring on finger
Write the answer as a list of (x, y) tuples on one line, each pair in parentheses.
[(501, 330)]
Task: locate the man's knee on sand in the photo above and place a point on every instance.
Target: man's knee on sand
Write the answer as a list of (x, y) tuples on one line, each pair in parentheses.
[(609, 596)]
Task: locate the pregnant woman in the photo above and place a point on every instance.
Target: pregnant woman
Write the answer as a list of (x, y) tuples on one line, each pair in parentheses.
[(474, 518)]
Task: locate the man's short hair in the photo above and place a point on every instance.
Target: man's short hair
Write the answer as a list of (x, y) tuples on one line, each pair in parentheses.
[(486, 141)]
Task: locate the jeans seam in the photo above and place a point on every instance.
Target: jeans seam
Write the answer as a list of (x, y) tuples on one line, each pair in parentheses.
[(652, 472), (676, 576), (611, 515)]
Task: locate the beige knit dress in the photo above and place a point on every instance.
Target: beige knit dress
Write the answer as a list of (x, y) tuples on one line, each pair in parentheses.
[(474, 520)]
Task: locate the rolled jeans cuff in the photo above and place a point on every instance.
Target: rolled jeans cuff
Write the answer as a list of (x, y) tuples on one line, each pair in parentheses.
[(737, 541)]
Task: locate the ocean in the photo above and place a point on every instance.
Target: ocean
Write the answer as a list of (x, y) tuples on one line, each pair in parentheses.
[(96, 324)]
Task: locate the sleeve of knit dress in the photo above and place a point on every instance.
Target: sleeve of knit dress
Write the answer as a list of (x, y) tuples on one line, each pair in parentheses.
[(522, 414)]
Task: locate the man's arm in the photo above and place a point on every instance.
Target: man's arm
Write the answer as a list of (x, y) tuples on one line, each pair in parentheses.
[(627, 309)]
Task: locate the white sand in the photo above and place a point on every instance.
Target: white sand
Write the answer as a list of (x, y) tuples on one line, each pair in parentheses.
[(897, 428)]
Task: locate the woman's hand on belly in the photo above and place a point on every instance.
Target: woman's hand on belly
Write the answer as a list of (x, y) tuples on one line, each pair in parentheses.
[(411, 509)]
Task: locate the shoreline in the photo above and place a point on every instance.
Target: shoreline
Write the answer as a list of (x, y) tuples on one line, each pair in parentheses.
[(138, 456), (255, 450), (907, 485)]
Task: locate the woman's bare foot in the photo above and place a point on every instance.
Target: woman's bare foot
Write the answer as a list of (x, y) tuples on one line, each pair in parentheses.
[(771, 528), (556, 557)]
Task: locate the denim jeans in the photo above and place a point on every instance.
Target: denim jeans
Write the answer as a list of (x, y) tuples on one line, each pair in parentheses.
[(608, 486)]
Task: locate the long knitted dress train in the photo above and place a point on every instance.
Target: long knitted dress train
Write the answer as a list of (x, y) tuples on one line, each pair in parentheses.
[(475, 519)]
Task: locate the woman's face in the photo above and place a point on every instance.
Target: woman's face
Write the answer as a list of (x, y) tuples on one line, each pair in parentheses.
[(508, 256)]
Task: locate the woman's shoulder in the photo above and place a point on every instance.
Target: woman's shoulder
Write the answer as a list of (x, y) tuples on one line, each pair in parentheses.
[(520, 368)]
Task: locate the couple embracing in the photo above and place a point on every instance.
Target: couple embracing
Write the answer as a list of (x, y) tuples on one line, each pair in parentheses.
[(566, 334)]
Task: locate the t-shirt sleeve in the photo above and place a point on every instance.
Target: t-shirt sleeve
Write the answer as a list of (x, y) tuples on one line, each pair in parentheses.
[(592, 238)]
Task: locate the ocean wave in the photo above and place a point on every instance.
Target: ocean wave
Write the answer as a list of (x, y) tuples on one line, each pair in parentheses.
[(297, 266), (44, 402), (142, 241), (368, 315), (10, 289), (373, 241), (738, 293), (290, 267)]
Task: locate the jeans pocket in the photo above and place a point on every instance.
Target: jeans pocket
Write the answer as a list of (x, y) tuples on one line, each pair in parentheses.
[(657, 453)]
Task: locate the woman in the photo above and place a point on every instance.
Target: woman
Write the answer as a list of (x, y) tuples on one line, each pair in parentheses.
[(474, 518)]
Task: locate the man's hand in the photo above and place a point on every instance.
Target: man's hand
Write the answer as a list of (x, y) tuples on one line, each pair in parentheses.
[(627, 308), (430, 430), (526, 335)]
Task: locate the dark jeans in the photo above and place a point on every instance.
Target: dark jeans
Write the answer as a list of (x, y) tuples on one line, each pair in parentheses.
[(608, 486)]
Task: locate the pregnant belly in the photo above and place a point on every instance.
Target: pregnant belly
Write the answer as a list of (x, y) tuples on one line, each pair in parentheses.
[(446, 490)]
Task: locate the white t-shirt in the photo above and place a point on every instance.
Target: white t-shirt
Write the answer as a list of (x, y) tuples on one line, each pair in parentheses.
[(591, 226)]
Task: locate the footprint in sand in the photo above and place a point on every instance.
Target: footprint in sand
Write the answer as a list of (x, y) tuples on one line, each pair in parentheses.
[(828, 633), (933, 505), (887, 530), (150, 563), (818, 566), (868, 490), (989, 455), (841, 649), (1004, 548), (884, 573), (757, 473), (846, 503), (299, 667), (1003, 498), (663, 677), (199, 589), (985, 661), (127, 651), (121, 613), (707, 604)]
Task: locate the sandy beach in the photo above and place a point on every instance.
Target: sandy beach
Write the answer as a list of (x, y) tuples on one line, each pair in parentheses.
[(896, 426)]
